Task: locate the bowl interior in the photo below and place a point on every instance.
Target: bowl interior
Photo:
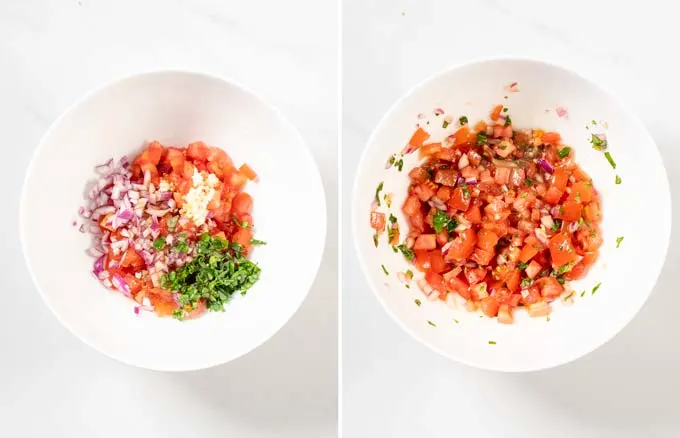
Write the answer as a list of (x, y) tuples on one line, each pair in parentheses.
[(174, 108), (626, 274)]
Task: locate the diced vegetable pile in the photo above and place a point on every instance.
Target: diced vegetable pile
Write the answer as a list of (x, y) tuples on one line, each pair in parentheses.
[(501, 217), (173, 229)]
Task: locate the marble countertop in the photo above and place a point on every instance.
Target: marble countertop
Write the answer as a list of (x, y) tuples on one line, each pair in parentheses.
[(53, 52), (395, 387)]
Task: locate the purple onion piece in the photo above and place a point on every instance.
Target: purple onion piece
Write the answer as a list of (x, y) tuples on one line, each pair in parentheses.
[(120, 284), (546, 166)]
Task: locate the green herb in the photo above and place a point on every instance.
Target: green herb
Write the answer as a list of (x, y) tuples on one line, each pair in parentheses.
[(431, 323), (492, 342), (508, 121), (563, 269), (522, 266), (395, 249), (408, 253), (393, 158), (172, 223), (569, 295), (409, 274), (505, 110), (441, 220), (417, 302), (526, 283), (391, 231), (445, 124), (456, 321), (529, 182), (564, 152), (463, 120), (256, 242), (619, 240), (214, 275), (384, 269), (505, 97), (560, 280), (557, 224), (466, 191), (597, 286), (243, 224), (617, 180), (393, 219), (593, 122), (547, 318), (400, 164), (375, 240), (583, 292), (377, 193), (599, 144), (407, 286), (481, 138), (609, 158), (159, 243), (181, 245)]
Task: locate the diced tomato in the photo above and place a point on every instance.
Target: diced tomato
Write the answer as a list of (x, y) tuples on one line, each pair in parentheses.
[(551, 138), (448, 154), (474, 215), (131, 259), (429, 150), (487, 239), (475, 275), (562, 250), (436, 281), (533, 269), (482, 257), (569, 211), (248, 172), (459, 199), (447, 177), (582, 192), (419, 137), (411, 205), (553, 195), (437, 263), (592, 213), (528, 252), (418, 175), (505, 314), (461, 287), (444, 193), (550, 287), (502, 175), (480, 126), (425, 190), (496, 112), (581, 269), (463, 136), (512, 280), (531, 295), (490, 306), (462, 246), (198, 151), (425, 241)]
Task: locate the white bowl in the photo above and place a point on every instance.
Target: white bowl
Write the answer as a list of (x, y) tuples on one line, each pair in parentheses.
[(638, 209), (174, 108)]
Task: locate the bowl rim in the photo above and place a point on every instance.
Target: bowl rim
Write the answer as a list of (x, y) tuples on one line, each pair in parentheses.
[(316, 261), (356, 210)]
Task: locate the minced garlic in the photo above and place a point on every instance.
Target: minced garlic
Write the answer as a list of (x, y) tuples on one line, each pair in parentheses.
[(199, 196)]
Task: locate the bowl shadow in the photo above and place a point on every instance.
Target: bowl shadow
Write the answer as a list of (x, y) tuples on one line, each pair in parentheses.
[(632, 381), (289, 384)]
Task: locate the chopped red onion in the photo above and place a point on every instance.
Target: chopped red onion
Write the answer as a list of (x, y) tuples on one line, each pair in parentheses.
[(82, 228), (98, 265), (574, 226), (157, 212), (471, 181), (446, 247), (121, 285), (546, 166)]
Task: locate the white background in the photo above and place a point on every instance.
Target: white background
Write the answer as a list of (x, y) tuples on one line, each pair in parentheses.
[(52, 52), (395, 387)]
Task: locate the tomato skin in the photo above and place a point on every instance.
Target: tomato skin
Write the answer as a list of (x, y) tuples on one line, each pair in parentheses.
[(411, 205), (487, 239), (463, 136), (553, 195), (569, 211), (419, 137), (426, 242), (496, 112), (458, 200), (490, 306), (248, 172), (475, 275), (592, 213), (377, 220), (436, 281), (437, 262), (429, 150), (512, 280), (582, 192)]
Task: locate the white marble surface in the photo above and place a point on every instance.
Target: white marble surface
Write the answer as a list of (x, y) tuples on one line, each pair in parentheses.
[(52, 52), (395, 387)]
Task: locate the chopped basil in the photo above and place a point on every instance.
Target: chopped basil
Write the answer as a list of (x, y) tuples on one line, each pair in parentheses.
[(400, 164), (441, 220), (564, 152), (417, 301), (393, 219), (619, 240), (508, 121), (598, 143), (431, 323), (609, 158), (159, 243), (377, 193), (492, 342), (384, 269), (481, 138), (408, 253), (597, 286), (617, 180), (522, 266), (445, 124), (463, 120)]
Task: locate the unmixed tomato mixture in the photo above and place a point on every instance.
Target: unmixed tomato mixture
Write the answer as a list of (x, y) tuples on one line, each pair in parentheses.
[(501, 217), (173, 228)]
